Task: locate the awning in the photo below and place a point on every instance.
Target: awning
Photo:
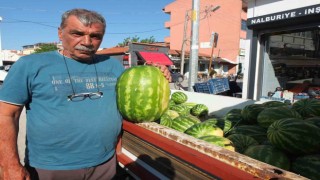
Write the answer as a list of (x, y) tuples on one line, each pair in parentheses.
[(154, 57)]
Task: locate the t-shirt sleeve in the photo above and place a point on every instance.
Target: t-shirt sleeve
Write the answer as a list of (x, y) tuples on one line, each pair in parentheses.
[(15, 88)]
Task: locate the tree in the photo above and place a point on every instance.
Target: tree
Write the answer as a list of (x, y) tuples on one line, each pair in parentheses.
[(127, 40), (45, 48)]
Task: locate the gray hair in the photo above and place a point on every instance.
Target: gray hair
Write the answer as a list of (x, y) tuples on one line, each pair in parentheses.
[(85, 16)]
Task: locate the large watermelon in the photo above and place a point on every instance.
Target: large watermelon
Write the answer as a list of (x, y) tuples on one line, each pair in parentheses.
[(269, 155), (294, 136), (219, 141), (242, 142), (142, 94), (250, 113), (307, 166), (203, 129), (272, 114), (256, 132), (307, 107)]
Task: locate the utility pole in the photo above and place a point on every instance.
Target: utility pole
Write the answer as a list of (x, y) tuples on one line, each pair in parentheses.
[(184, 39), (193, 60)]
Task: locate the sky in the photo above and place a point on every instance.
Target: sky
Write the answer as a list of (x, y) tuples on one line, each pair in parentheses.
[(27, 22)]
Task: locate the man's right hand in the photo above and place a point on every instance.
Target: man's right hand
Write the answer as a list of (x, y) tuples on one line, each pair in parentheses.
[(16, 172)]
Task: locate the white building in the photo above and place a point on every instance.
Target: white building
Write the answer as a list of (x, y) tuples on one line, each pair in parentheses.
[(284, 44)]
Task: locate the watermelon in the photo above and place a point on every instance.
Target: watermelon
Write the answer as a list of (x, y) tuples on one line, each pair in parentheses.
[(242, 142), (142, 94), (250, 113), (269, 155), (165, 120), (171, 103), (272, 114), (273, 104), (314, 120), (199, 110), (203, 129), (307, 166), (182, 123), (181, 109), (218, 141), (179, 97), (294, 136), (223, 124), (256, 132), (171, 113), (234, 115), (307, 107), (189, 104)]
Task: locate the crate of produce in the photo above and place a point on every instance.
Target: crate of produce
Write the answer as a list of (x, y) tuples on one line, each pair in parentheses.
[(203, 87)]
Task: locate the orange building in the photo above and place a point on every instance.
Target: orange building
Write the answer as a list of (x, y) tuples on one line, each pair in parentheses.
[(227, 18)]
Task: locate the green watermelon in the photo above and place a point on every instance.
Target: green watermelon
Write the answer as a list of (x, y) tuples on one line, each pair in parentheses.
[(181, 109), (165, 120), (273, 104), (182, 123), (179, 97), (307, 166), (314, 120), (223, 124), (272, 114), (307, 107), (199, 110), (242, 142), (250, 113), (234, 115), (173, 114), (203, 129), (189, 104), (294, 136), (218, 141), (171, 103), (269, 155), (142, 94), (256, 132)]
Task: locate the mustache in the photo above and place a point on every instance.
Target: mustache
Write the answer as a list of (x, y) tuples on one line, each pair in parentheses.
[(84, 48)]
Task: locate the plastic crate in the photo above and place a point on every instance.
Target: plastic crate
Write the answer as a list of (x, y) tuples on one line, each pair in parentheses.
[(204, 87), (219, 85)]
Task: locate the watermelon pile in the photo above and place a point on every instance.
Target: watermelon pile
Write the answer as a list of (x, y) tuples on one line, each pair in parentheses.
[(282, 135)]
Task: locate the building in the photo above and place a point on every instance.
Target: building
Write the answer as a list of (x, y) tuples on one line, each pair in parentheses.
[(225, 18), (140, 53), (284, 44)]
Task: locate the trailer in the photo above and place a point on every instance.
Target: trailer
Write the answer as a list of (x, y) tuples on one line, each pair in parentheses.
[(152, 151)]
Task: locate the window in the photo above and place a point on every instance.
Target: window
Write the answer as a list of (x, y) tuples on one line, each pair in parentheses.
[(244, 25)]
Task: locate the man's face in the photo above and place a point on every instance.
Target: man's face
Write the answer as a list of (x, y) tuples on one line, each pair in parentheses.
[(80, 42)]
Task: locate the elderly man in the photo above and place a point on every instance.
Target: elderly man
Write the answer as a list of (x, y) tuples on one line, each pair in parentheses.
[(72, 118)]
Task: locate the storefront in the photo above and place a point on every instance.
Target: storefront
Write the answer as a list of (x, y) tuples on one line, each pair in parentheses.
[(284, 57)]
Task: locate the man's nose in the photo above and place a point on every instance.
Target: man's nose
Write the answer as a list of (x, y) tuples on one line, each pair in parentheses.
[(87, 40)]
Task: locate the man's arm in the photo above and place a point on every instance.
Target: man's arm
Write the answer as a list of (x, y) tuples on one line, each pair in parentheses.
[(9, 127)]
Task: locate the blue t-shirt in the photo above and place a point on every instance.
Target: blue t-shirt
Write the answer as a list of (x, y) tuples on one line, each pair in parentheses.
[(63, 134)]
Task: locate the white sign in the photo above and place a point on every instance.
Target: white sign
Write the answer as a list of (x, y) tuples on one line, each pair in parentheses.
[(205, 45)]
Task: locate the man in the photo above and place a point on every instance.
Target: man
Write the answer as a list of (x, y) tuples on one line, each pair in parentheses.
[(72, 118)]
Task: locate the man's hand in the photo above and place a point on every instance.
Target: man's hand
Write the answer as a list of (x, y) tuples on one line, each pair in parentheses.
[(17, 172), (164, 69)]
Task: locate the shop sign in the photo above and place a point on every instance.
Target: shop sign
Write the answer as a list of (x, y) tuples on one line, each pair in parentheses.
[(284, 15), (148, 48)]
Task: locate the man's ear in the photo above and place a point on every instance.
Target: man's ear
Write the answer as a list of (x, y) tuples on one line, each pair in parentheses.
[(60, 33)]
